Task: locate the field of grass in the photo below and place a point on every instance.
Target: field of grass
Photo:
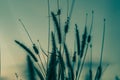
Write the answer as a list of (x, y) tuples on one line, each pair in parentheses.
[(59, 61)]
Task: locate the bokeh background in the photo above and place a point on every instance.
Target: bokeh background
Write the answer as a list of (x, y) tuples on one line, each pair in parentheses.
[(34, 15)]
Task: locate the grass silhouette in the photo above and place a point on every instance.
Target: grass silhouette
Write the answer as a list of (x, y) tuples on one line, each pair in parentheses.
[(60, 65)]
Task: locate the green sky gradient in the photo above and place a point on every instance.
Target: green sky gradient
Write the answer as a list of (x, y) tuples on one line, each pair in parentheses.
[(34, 15)]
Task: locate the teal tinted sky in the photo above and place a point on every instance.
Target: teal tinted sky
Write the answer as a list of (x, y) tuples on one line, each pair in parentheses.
[(33, 13)]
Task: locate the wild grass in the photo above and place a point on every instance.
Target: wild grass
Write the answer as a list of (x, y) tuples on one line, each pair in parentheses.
[(60, 65)]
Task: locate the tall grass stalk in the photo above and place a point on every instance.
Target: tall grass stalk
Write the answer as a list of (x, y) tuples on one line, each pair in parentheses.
[(91, 56), (99, 69), (26, 30), (84, 38), (41, 69), (67, 7), (58, 12), (71, 9), (90, 66), (52, 63), (69, 18), (70, 71), (73, 60), (74, 53), (42, 64), (66, 27), (61, 74), (43, 54), (82, 64), (48, 3), (37, 52), (59, 66), (57, 26), (102, 43), (89, 41)]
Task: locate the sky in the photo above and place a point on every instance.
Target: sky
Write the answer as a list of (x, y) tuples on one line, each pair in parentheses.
[(34, 15)]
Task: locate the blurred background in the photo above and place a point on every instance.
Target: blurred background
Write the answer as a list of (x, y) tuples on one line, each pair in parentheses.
[(34, 15)]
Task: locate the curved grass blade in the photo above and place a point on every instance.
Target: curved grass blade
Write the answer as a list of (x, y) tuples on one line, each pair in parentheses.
[(27, 50)]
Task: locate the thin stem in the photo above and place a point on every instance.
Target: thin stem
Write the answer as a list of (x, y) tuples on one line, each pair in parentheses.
[(41, 69), (90, 70), (67, 7), (59, 65), (86, 19), (64, 40), (91, 56), (92, 22), (41, 63), (48, 30), (43, 52), (102, 43), (58, 4), (26, 31), (79, 68), (75, 43), (59, 13), (83, 62), (48, 24), (71, 9)]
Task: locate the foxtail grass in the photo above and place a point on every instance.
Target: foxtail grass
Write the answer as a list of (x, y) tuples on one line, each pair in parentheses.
[(57, 27), (52, 63), (77, 40), (27, 50), (70, 72), (99, 69), (59, 67)]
